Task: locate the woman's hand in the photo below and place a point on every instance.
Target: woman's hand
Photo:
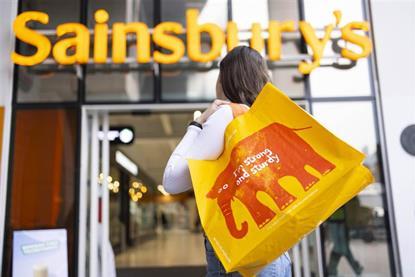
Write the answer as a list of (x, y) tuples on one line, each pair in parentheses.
[(210, 110)]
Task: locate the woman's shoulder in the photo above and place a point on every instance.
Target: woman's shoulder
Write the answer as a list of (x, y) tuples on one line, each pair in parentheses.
[(223, 112), (238, 109), (222, 115), (227, 112)]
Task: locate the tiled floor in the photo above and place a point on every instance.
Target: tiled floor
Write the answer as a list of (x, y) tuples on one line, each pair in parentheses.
[(171, 248), (180, 248)]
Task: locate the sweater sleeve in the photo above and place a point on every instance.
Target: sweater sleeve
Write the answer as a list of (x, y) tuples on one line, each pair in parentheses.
[(201, 144)]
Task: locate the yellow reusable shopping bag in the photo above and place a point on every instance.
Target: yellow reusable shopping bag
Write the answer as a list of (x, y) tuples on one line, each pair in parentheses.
[(280, 175)]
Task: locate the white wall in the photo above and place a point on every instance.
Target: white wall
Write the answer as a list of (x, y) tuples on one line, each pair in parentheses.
[(8, 10), (394, 31)]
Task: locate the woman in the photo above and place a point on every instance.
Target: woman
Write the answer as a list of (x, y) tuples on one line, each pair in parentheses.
[(243, 73)]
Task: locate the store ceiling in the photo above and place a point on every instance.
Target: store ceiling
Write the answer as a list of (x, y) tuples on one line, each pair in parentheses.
[(156, 136)]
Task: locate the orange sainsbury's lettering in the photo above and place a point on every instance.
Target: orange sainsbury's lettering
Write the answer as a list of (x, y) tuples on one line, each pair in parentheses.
[(163, 38), (31, 37), (168, 36)]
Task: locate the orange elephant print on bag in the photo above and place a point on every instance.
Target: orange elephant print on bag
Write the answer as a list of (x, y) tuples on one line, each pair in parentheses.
[(256, 164)]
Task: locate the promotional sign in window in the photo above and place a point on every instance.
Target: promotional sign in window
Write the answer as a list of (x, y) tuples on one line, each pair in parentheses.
[(40, 253)]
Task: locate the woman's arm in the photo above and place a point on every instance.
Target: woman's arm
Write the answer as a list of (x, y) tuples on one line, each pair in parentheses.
[(201, 144)]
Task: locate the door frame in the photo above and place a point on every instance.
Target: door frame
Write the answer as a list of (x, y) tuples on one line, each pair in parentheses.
[(89, 164), (93, 118)]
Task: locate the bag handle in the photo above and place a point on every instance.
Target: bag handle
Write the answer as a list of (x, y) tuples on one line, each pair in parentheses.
[(238, 109)]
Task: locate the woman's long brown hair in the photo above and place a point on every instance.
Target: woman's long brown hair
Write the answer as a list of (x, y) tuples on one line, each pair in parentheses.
[(243, 74)]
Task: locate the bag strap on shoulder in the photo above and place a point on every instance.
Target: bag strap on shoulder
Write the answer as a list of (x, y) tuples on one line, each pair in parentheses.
[(238, 109)]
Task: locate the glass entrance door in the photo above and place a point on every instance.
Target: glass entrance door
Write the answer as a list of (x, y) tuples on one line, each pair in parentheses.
[(128, 223)]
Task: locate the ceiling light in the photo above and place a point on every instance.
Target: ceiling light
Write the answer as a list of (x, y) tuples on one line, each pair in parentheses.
[(126, 163), (126, 135)]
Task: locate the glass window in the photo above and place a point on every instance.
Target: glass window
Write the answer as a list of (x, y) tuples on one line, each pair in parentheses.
[(357, 231), (289, 80), (45, 83), (210, 11), (116, 84), (48, 82), (123, 11), (129, 82), (283, 10), (245, 13), (337, 76), (320, 12), (59, 11), (333, 82), (287, 77), (187, 80), (188, 84), (43, 175)]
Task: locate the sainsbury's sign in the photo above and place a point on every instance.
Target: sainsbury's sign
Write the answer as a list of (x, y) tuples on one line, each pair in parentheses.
[(165, 36)]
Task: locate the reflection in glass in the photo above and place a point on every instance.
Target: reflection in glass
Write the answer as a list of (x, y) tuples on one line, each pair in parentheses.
[(340, 76), (337, 76), (123, 11), (59, 11), (245, 13), (320, 12), (44, 176), (287, 78), (334, 82), (130, 82), (210, 11), (191, 81), (189, 85), (356, 237), (45, 83), (129, 85)]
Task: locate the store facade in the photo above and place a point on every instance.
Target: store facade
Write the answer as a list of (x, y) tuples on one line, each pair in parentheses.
[(52, 102)]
